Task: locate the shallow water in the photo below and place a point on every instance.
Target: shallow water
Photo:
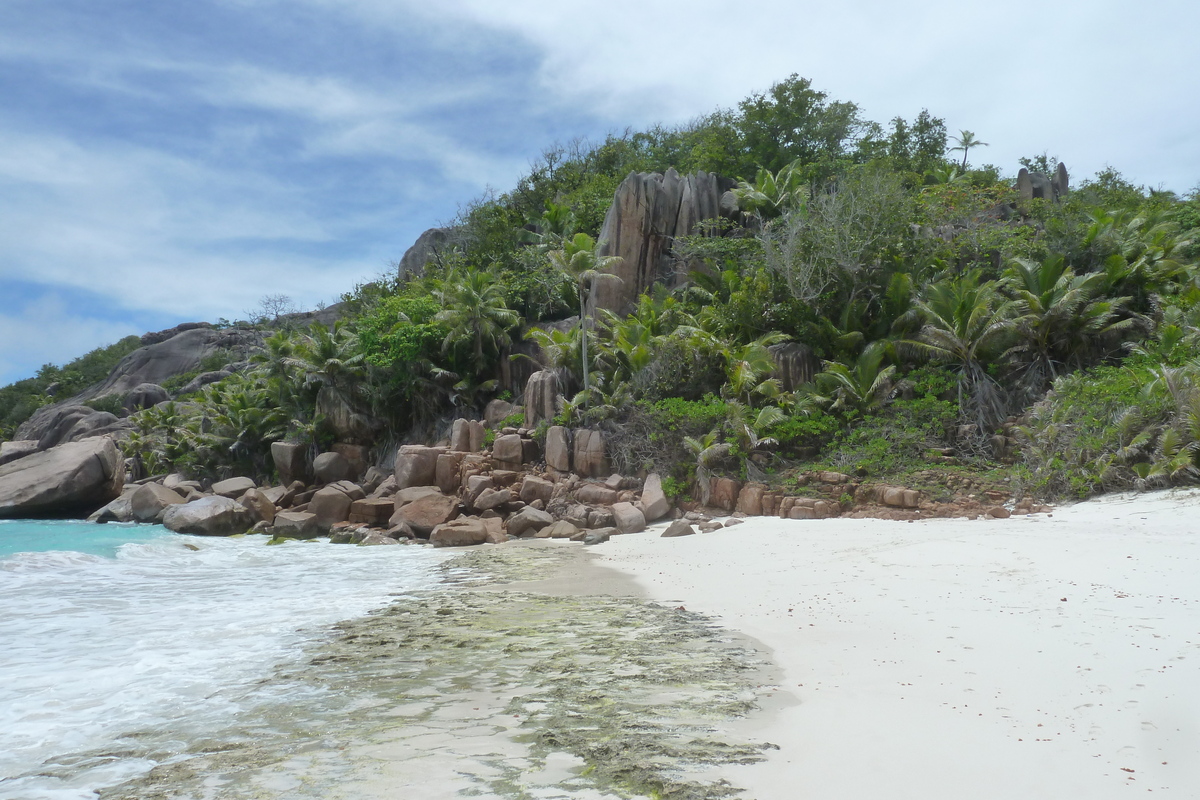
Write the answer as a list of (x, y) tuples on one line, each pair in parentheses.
[(120, 647)]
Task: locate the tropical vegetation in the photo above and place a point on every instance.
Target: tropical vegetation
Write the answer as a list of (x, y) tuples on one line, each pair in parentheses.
[(946, 321)]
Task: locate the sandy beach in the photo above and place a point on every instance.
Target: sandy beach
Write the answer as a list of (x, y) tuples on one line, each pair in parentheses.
[(1045, 656), (1049, 656)]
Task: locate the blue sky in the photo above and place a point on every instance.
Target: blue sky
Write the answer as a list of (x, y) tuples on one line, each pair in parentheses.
[(168, 162)]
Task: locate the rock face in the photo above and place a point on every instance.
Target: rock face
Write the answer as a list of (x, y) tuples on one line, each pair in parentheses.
[(558, 449), (150, 502), (183, 350), (649, 210), (655, 504), (416, 465), (589, 458), (331, 468), (209, 516), (348, 423), (291, 461), (11, 451), (795, 364), (425, 514), (145, 395), (61, 423), (541, 397), (459, 533), (429, 246), (68, 479)]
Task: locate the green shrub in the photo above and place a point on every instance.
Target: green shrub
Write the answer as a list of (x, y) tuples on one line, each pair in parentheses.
[(893, 440)]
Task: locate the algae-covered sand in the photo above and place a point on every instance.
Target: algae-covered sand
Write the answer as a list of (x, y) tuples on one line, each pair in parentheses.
[(511, 682)]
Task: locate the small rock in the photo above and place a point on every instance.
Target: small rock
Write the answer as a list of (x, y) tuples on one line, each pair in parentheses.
[(679, 528)]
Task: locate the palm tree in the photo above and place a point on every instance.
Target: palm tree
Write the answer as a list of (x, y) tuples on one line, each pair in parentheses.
[(963, 320), (966, 140), (862, 385), (1061, 318), (771, 194), (330, 359), (578, 262), (748, 367), (709, 452), (474, 311)]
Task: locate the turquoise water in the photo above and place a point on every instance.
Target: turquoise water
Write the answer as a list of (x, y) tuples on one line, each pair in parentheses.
[(40, 536), (122, 646)]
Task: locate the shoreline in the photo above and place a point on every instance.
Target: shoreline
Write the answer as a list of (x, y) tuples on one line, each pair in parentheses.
[(517, 677), (1041, 656)]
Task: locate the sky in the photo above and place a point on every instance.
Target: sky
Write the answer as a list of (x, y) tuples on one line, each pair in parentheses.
[(166, 162)]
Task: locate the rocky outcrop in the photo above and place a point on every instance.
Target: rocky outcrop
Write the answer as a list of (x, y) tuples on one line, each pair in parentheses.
[(795, 364), (331, 468), (163, 355), (62, 423), (589, 458), (542, 398), (430, 246), (649, 210), (11, 451), (183, 351), (209, 516), (1037, 185), (145, 395), (233, 488), (149, 502), (64, 480), (291, 461)]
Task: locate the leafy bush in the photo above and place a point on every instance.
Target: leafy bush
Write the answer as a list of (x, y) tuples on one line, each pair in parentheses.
[(1103, 430), (894, 440)]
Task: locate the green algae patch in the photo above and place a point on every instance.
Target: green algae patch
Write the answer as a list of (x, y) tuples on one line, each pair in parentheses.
[(475, 692)]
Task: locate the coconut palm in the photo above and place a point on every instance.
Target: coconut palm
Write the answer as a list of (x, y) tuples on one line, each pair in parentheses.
[(963, 321), (771, 194), (965, 141), (864, 384), (1061, 319), (578, 262), (475, 312)]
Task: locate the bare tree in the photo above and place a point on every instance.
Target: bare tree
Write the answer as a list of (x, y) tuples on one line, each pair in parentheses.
[(271, 307), (838, 236)]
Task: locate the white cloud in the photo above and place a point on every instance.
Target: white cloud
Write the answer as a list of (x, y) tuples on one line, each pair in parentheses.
[(49, 331), (1093, 83)]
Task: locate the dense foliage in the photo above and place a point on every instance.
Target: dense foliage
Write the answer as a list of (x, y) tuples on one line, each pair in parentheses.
[(945, 317), (19, 400)]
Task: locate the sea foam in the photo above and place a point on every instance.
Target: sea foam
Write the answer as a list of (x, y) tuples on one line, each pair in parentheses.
[(111, 665)]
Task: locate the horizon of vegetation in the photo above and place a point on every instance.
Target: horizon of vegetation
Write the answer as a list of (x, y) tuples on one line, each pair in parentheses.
[(1057, 342)]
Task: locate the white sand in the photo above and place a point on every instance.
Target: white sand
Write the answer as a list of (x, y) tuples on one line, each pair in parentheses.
[(1035, 657)]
